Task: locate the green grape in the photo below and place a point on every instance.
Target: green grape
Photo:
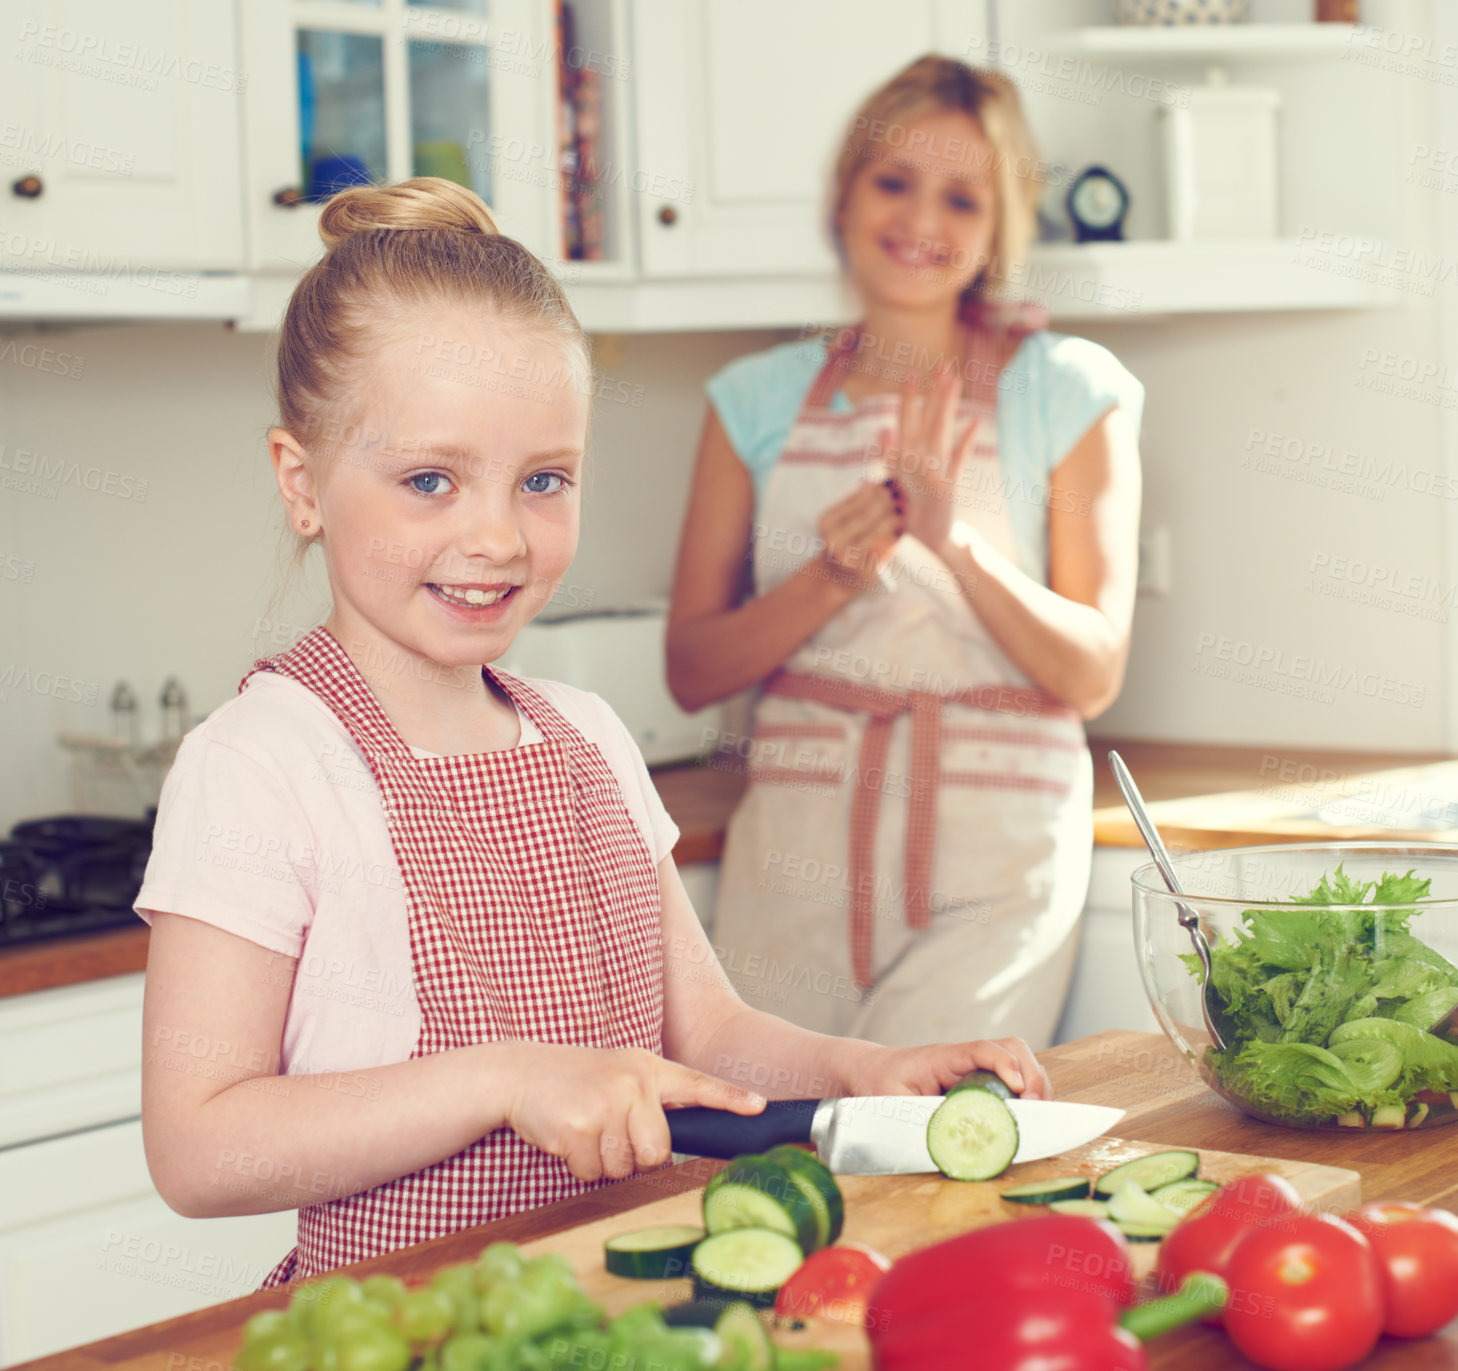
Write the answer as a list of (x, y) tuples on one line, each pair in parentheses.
[(642, 1321), (329, 1300), (350, 1322), (268, 1324), (551, 1268), (285, 1350), (459, 1283), (426, 1315), (466, 1352), (588, 1347), (379, 1349), (502, 1261), (385, 1290)]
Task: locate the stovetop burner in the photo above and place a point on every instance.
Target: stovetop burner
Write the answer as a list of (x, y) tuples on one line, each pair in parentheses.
[(75, 873)]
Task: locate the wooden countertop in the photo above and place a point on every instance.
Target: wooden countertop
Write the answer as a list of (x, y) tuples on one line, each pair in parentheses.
[(1140, 1072), (1201, 796)]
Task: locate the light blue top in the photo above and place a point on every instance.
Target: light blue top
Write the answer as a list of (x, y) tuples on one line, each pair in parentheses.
[(1050, 393)]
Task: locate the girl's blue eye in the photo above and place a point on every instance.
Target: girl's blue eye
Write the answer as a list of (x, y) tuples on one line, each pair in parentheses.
[(533, 483), (428, 482), (962, 202), (891, 184)]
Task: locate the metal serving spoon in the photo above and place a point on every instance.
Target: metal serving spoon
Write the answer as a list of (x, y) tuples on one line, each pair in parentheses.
[(1189, 920)]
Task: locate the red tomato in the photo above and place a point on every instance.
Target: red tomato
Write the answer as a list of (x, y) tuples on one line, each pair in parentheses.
[(1418, 1251), (832, 1284), (1305, 1295), (1205, 1240)]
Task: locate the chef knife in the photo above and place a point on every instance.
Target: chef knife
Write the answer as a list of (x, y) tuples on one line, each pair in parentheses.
[(876, 1135)]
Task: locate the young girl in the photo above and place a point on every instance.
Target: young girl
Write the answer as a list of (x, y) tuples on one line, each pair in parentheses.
[(420, 957), (940, 511)]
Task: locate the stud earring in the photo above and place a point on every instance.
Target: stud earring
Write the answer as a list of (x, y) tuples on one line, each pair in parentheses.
[(303, 523)]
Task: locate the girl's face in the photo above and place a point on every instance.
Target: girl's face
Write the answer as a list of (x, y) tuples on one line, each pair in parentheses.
[(449, 512), (918, 223)]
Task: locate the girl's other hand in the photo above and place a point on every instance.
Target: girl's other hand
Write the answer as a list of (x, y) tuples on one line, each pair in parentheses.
[(924, 460), (860, 533), (932, 1069), (602, 1109)]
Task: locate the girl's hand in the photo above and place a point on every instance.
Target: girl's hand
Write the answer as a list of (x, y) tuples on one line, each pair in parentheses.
[(923, 459), (602, 1109), (932, 1069), (860, 533)]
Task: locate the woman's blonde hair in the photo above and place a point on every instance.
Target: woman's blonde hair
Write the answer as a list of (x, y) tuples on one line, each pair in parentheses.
[(933, 85), (424, 242)]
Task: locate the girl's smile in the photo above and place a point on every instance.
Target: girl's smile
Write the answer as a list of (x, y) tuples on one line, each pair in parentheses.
[(450, 516)]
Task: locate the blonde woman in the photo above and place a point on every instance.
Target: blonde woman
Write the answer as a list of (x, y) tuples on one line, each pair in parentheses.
[(918, 537)]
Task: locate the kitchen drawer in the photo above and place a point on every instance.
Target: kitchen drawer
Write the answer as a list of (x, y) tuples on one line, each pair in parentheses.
[(70, 1058), (88, 1248)]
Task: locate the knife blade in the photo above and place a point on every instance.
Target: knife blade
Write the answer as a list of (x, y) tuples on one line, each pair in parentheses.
[(876, 1135)]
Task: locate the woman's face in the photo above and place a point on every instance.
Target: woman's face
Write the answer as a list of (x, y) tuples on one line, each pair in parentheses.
[(449, 509), (918, 223)]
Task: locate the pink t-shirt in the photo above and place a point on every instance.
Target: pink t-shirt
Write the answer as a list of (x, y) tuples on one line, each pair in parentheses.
[(270, 826)]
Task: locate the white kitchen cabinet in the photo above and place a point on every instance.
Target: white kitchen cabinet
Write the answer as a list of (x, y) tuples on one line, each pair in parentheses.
[(88, 1248), (1107, 991), (741, 107), (119, 141), (389, 90)]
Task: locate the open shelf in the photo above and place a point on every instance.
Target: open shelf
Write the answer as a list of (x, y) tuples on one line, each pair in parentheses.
[(1131, 280), (1207, 42)]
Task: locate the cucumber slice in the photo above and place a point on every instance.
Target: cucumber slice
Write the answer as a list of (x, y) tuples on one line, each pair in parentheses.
[(1055, 1189), (1149, 1173), (744, 1264), (818, 1186), (652, 1253), (1142, 1232), (1353, 1118), (755, 1192), (1389, 1116), (742, 1333), (1083, 1209), (984, 1080), (1132, 1204), (1419, 1113), (972, 1136), (1183, 1196)]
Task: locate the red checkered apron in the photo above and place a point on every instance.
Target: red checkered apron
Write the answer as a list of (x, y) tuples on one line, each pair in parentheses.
[(534, 913), (911, 857)]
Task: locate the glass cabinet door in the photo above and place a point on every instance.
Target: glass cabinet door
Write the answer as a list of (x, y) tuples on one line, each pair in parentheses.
[(341, 111), (387, 89)]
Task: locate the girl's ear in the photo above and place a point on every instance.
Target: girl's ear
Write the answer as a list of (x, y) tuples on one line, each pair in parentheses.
[(295, 481)]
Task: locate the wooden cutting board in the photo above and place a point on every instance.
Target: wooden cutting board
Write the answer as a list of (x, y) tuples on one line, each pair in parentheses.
[(898, 1214)]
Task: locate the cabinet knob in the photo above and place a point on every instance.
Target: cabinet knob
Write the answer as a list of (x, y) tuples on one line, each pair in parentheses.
[(668, 216), (288, 197), (28, 187)]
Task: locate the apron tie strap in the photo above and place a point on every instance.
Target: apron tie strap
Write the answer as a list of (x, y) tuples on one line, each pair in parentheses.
[(884, 706)]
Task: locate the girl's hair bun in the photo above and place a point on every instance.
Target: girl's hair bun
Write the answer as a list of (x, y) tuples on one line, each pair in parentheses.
[(425, 202)]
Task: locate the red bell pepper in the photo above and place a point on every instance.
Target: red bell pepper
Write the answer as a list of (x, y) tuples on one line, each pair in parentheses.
[(1030, 1293)]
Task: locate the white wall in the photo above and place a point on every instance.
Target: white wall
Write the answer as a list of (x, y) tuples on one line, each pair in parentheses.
[(105, 587)]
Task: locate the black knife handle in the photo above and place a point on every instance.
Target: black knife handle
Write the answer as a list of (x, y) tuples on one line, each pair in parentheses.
[(719, 1133)]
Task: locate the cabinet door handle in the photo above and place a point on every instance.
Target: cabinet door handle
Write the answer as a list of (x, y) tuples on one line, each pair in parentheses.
[(288, 197), (28, 187), (668, 216)]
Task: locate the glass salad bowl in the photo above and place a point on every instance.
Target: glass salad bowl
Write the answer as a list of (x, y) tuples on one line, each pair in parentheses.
[(1336, 967)]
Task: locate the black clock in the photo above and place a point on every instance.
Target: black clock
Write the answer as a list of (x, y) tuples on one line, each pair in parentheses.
[(1098, 203)]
